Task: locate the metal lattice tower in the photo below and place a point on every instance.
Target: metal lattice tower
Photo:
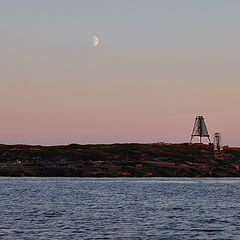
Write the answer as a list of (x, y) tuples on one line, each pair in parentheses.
[(217, 142), (200, 129)]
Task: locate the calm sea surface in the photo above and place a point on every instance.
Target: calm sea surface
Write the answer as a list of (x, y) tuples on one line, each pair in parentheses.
[(119, 208)]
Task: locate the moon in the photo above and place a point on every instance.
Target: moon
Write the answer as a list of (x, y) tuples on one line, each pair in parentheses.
[(95, 41)]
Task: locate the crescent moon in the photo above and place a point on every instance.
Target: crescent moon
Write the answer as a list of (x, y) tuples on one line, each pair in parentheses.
[(95, 41)]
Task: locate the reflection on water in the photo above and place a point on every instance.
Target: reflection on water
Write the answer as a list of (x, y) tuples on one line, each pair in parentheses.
[(120, 208)]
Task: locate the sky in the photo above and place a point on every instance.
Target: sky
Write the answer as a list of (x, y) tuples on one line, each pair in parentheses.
[(159, 64)]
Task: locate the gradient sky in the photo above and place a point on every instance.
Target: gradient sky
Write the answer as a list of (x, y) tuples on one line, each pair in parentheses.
[(159, 64)]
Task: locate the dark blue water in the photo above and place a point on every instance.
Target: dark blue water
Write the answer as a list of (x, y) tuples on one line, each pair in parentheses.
[(119, 208)]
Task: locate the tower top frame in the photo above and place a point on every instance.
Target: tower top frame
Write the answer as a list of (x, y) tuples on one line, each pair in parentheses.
[(200, 129)]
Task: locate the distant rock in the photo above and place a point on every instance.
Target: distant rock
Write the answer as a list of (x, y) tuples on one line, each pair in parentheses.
[(119, 160)]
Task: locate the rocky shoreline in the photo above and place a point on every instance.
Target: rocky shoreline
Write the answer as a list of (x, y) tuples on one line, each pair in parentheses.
[(119, 160)]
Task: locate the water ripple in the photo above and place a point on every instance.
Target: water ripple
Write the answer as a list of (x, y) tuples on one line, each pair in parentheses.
[(119, 208)]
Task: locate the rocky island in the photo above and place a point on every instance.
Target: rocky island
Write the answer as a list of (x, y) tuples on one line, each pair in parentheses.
[(119, 160)]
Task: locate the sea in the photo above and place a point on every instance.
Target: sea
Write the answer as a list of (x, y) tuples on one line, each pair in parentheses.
[(119, 208)]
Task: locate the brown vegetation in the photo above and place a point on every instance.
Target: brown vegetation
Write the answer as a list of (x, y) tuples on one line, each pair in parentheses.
[(119, 160)]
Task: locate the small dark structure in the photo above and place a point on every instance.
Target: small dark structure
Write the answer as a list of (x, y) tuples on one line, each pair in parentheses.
[(217, 142), (200, 129)]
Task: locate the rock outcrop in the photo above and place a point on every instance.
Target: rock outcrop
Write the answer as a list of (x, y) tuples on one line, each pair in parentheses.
[(119, 160)]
